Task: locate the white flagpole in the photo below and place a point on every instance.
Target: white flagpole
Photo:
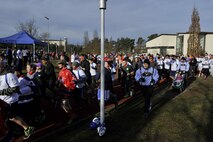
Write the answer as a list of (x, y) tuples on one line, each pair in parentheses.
[(102, 105)]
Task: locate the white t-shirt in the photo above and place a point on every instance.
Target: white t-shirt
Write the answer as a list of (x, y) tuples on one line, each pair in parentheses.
[(93, 71), (159, 64), (25, 52), (200, 66), (211, 62), (72, 59), (167, 63), (183, 66), (79, 73), (12, 82), (174, 65), (19, 54), (206, 64)]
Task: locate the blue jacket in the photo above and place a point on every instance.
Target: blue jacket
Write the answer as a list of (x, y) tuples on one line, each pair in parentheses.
[(147, 77)]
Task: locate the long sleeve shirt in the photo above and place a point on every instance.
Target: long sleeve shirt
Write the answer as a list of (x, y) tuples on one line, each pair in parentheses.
[(26, 93), (167, 63), (81, 77), (148, 75), (93, 68), (184, 66), (66, 79), (206, 64), (174, 65), (159, 64)]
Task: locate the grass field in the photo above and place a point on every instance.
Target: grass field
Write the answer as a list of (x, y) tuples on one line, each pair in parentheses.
[(185, 117)]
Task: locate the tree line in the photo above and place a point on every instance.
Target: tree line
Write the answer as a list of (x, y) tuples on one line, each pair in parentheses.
[(124, 44)]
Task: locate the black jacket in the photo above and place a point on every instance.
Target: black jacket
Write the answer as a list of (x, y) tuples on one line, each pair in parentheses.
[(193, 62), (86, 68), (108, 79), (50, 75)]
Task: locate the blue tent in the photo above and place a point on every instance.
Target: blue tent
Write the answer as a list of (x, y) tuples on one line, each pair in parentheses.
[(22, 38)]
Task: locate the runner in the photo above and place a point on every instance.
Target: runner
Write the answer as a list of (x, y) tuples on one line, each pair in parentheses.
[(9, 88), (66, 87), (147, 76)]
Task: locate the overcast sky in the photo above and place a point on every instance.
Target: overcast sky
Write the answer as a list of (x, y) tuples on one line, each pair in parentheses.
[(124, 18)]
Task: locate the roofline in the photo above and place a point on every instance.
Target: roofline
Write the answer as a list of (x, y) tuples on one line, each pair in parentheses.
[(200, 33), (158, 47), (162, 35), (167, 34)]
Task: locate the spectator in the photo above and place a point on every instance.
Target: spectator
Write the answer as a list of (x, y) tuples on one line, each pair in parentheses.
[(14, 52), (9, 56), (25, 53), (19, 56)]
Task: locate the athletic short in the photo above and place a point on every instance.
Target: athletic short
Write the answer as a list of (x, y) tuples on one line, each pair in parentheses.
[(205, 71), (12, 110)]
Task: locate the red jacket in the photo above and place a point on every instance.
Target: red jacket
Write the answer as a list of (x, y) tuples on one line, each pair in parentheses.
[(67, 78)]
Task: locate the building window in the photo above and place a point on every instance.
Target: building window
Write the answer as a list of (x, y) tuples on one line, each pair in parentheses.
[(179, 47)]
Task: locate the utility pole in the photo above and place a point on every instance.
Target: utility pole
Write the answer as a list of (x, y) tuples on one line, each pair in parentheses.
[(48, 46), (65, 44)]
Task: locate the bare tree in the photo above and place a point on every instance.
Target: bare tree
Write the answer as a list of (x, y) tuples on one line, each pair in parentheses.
[(44, 36), (95, 43), (28, 26), (95, 34)]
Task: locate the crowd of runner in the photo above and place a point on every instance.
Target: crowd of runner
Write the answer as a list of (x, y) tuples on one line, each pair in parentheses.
[(23, 82)]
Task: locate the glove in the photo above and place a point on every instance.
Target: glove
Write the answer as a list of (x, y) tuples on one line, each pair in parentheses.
[(142, 80), (152, 82), (57, 83), (75, 81)]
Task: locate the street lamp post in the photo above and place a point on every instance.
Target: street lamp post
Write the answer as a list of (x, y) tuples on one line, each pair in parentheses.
[(102, 128), (48, 45), (65, 44)]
